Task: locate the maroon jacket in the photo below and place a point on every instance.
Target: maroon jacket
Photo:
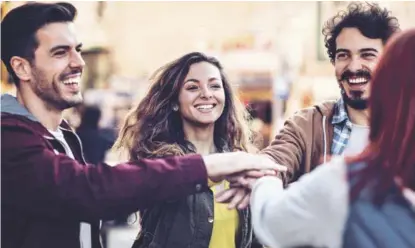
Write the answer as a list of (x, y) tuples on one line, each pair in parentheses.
[(46, 194)]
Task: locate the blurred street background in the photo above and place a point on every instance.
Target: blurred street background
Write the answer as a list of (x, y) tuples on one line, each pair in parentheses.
[(273, 53)]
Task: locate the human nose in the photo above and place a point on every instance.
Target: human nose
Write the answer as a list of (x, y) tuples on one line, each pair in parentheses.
[(77, 61), (206, 93), (355, 64)]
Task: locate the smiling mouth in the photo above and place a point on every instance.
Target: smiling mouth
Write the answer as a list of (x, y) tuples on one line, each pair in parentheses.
[(204, 107), (72, 81), (357, 80)]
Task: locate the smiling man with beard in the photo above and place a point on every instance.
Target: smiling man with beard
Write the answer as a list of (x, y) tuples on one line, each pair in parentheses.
[(354, 40), (50, 196)]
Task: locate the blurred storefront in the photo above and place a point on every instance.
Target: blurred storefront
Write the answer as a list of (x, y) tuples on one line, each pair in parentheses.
[(273, 52)]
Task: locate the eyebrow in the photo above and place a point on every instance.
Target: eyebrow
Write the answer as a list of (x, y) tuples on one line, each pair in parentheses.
[(65, 47), (368, 50), (342, 50), (197, 81)]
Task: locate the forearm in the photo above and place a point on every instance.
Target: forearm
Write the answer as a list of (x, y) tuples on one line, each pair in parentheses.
[(288, 148), (59, 186)]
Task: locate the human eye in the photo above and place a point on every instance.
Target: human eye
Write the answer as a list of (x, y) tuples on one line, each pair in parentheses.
[(60, 53), (216, 86), (191, 87), (368, 55), (342, 56)]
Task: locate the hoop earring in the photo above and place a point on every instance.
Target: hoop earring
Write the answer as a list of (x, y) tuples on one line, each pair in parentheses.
[(175, 108)]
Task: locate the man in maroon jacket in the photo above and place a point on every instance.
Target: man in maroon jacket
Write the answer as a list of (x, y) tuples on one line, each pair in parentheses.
[(50, 196)]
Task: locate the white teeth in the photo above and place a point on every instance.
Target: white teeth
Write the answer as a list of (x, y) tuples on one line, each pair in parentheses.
[(358, 80), (71, 81), (210, 106)]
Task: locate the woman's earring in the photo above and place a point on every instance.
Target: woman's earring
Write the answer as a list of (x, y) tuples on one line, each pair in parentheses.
[(175, 108)]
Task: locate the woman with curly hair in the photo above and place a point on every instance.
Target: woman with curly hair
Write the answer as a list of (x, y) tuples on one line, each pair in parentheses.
[(190, 108)]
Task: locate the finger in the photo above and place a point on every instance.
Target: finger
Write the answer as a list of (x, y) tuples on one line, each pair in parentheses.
[(234, 178), (256, 173), (235, 185), (245, 201), (221, 192), (269, 172), (244, 182), (282, 168), (237, 198), (226, 195)]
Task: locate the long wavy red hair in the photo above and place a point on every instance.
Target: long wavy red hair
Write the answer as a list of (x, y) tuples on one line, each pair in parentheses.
[(391, 151)]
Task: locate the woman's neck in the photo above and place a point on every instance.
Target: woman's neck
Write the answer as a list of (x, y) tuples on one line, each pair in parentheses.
[(200, 137)]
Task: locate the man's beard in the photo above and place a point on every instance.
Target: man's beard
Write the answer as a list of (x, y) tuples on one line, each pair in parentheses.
[(50, 92), (355, 102)]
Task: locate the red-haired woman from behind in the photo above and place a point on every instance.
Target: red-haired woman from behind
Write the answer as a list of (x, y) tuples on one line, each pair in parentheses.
[(362, 201)]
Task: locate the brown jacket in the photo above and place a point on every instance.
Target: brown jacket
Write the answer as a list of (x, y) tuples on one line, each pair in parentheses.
[(305, 140)]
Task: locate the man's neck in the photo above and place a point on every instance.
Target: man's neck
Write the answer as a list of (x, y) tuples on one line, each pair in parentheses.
[(49, 117), (201, 138), (358, 117)]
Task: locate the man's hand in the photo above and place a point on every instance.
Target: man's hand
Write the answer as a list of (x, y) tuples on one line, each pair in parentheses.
[(238, 194), (241, 185), (247, 178), (235, 197), (220, 165)]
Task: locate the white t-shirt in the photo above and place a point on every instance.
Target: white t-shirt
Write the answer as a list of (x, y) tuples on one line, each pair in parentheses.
[(358, 140), (85, 232)]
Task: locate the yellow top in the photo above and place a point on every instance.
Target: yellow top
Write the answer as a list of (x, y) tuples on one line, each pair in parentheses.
[(225, 221)]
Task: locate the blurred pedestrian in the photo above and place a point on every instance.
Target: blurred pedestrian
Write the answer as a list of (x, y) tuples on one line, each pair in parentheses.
[(94, 141)]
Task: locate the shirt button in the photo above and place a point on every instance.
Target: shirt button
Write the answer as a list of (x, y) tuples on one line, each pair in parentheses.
[(210, 219), (198, 187)]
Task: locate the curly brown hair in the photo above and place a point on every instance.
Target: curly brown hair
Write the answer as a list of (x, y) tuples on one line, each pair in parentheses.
[(153, 129), (371, 20)]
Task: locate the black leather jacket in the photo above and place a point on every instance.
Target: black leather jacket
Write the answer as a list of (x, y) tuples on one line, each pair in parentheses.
[(187, 223)]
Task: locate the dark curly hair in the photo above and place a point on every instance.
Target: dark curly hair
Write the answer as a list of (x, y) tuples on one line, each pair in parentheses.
[(372, 21), (153, 129)]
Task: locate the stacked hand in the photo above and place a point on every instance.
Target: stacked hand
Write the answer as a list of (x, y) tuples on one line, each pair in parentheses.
[(220, 166), (241, 183)]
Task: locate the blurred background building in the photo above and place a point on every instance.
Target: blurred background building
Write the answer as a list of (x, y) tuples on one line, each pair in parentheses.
[(273, 53)]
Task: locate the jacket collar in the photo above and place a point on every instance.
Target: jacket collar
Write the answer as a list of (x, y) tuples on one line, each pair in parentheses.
[(10, 105)]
